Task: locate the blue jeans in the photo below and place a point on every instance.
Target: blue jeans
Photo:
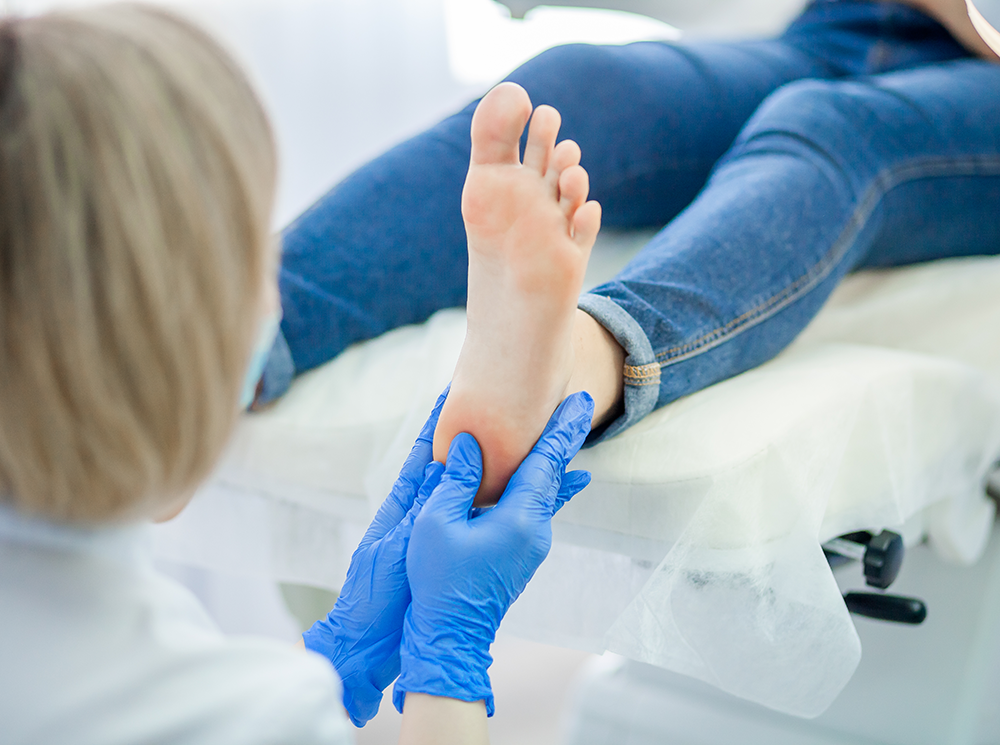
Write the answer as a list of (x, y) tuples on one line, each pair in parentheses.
[(864, 136)]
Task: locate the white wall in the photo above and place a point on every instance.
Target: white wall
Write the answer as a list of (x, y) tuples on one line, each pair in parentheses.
[(716, 18), (343, 79)]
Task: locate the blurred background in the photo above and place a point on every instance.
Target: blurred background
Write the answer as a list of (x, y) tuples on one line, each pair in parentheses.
[(346, 79)]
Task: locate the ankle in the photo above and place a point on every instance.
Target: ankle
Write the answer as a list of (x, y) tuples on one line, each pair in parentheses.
[(599, 364)]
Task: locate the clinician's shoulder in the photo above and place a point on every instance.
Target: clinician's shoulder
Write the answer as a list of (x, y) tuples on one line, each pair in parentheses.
[(99, 650), (253, 691)]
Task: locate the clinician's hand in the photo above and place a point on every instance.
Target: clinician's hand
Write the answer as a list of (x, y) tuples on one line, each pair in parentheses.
[(361, 635), (466, 569)]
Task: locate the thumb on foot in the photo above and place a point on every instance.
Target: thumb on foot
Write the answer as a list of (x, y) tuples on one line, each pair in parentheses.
[(432, 477), (460, 479), (535, 484)]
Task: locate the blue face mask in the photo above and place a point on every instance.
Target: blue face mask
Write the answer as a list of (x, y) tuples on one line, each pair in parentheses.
[(258, 360)]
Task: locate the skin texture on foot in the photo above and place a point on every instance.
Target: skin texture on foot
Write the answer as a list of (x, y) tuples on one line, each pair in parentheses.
[(530, 230)]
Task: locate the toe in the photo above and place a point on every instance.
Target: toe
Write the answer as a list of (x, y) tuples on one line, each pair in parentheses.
[(586, 225), (574, 185), (566, 155), (541, 138), (498, 123)]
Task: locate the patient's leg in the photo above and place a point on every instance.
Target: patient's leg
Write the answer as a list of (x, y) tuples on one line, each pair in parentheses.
[(827, 177), (387, 247), (530, 231)]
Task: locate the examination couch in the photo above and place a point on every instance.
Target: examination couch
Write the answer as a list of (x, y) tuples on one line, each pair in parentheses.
[(697, 548)]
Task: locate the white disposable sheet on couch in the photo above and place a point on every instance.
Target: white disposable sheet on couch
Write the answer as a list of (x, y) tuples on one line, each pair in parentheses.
[(697, 546)]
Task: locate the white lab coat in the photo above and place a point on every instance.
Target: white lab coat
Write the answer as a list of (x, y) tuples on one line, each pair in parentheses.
[(97, 648)]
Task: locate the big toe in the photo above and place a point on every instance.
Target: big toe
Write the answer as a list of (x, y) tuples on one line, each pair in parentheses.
[(498, 123)]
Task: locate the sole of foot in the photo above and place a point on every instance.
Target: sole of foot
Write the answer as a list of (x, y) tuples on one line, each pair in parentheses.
[(530, 231)]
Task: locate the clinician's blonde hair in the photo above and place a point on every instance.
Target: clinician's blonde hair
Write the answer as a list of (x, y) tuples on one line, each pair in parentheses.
[(137, 170)]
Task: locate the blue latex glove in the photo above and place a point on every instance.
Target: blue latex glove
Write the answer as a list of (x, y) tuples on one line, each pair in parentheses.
[(465, 570), (361, 635)]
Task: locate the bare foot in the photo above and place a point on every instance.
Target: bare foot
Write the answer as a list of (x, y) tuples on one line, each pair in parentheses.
[(530, 231)]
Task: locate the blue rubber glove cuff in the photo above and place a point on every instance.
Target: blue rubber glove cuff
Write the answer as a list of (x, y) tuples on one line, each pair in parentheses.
[(361, 676), (439, 662)]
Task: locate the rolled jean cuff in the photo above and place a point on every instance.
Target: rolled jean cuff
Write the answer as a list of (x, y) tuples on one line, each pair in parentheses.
[(278, 371), (641, 372)]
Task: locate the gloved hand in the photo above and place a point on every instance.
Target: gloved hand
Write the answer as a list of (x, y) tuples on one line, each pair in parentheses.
[(361, 635), (466, 570)]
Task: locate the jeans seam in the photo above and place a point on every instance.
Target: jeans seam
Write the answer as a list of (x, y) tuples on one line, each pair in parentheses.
[(884, 183), (640, 375)]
